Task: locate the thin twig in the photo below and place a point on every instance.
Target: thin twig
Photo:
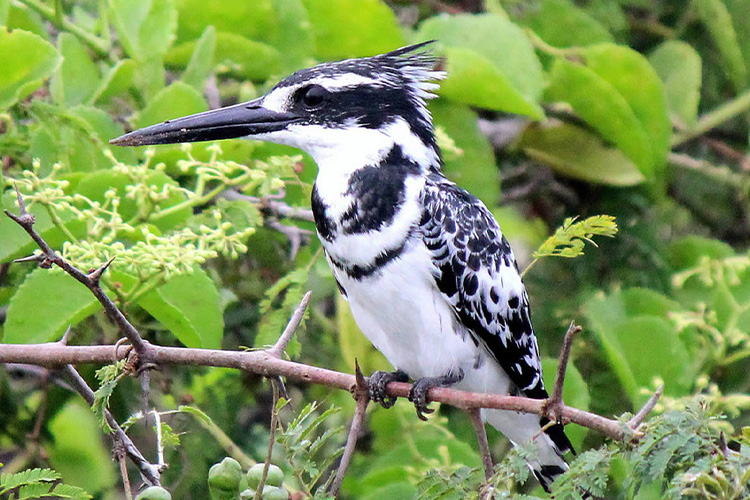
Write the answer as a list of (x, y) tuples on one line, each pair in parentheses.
[(121, 457), (271, 439), (484, 445), (159, 441), (90, 281), (639, 417), (361, 395), (274, 207), (296, 235), (149, 471), (554, 402), (278, 348)]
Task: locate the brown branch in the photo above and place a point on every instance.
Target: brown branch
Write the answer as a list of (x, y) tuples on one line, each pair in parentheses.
[(263, 364), (361, 395), (639, 417), (276, 386), (90, 280), (484, 445), (278, 348), (150, 473), (554, 403), (278, 208)]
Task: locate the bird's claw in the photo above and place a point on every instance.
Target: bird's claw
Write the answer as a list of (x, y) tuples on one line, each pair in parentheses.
[(418, 396), (378, 384)]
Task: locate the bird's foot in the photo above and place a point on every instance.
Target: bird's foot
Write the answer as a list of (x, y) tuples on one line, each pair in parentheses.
[(378, 383), (418, 393)]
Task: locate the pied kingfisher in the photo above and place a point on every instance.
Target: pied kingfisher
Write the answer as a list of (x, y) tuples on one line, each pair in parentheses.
[(429, 276)]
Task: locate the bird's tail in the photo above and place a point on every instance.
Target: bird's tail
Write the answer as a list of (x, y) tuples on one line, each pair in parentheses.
[(550, 444)]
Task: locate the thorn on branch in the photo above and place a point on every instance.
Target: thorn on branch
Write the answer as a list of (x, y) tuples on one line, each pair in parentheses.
[(66, 336), (639, 417), (96, 275), (90, 281), (553, 405), (37, 257)]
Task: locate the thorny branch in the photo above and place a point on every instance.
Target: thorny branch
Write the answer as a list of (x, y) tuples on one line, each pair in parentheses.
[(554, 403), (263, 364), (151, 473), (361, 395), (269, 363), (48, 257)]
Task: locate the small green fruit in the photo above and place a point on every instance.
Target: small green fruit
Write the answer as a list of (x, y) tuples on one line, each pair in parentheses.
[(275, 475), (274, 493), (224, 479), (154, 493)]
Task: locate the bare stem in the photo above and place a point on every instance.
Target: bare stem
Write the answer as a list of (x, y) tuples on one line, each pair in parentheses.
[(484, 445), (554, 402), (291, 327), (272, 437), (639, 417), (90, 281), (361, 395), (263, 364), (149, 472)]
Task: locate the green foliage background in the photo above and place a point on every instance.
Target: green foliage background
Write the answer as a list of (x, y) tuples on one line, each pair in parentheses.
[(551, 109)]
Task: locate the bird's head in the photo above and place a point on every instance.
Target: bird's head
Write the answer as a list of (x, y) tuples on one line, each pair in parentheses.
[(357, 106)]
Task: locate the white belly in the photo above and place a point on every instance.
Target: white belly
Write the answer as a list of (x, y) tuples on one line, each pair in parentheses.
[(405, 316)]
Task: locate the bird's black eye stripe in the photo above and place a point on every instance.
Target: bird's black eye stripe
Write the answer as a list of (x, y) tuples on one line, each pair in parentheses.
[(312, 96)]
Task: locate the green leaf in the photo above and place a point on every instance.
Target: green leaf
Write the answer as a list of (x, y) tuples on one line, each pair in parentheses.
[(12, 481), (679, 67), (77, 451), (562, 23), (599, 103), (575, 394), (635, 79), (490, 47), (570, 238), (116, 80), (473, 80), (253, 20), (353, 28), (27, 61), (235, 55), (294, 37), (189, 305), (146, 28), (202, 61), (77, 78), (636, 337), (718, 21), (741, 21), (575, 152), (178, 99), (474, 169), (4, 11), (64, 302)]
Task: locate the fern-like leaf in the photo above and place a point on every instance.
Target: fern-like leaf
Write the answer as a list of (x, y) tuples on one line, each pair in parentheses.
[(12, 481), (570, 239)]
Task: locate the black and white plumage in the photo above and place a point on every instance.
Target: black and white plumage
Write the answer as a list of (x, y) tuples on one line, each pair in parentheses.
[(430, 278)]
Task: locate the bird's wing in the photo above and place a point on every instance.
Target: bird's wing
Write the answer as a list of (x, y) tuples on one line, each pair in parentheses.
[(476, 270)]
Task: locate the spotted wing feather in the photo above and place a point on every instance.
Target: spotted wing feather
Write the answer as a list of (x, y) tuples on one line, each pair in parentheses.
[(476, 270)]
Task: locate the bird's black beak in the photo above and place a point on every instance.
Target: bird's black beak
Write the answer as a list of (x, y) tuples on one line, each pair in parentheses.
[(246, 119)]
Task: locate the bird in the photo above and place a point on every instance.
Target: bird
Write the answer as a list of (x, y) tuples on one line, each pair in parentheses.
[(430, 278)]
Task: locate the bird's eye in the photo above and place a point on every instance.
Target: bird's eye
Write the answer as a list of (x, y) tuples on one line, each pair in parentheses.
[(313, 96)]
